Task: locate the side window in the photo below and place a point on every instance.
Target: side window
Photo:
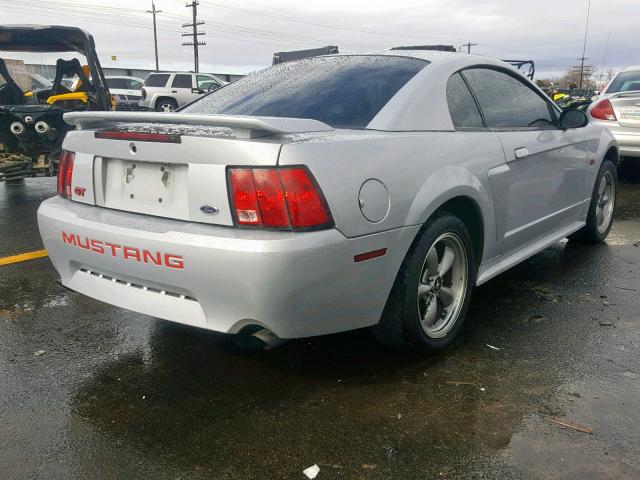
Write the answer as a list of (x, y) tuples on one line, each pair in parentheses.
[(157, 80), (205, 82), (134, 84), (462, 107), (181, 81), (116, 83), (507, 102)]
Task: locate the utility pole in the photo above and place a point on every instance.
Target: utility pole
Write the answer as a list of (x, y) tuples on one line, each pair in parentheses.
[(584, 46), (153, 11), (583, 72), (582, 59), (469, 45), (195, 33)]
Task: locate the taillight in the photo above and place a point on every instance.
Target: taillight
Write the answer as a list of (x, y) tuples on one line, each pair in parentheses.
[(138, 136), (603, 110), (144, 94), (285, 198), (65, 173)]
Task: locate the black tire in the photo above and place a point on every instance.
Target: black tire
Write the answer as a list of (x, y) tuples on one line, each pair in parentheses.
[(166, 102), (590, 233), (400, 325)]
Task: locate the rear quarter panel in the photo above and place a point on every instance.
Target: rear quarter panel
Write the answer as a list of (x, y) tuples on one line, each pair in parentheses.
[(421, 171), (599, 140)]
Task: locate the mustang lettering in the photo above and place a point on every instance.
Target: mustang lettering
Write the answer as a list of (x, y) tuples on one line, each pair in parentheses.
[(128, 253)]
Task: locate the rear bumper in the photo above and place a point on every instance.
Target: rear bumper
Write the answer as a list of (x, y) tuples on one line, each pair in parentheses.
[(221, 278), (628, 138), (147, 103)]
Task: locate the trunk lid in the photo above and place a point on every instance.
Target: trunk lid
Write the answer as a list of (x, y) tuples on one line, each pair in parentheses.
[(626, 106), (171, 165)]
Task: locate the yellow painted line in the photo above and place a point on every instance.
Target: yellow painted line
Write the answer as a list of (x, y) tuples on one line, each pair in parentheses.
[(23, 257)]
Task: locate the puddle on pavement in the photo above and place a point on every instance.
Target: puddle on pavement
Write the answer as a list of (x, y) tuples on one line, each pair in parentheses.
[(341, 401), (355, 408)]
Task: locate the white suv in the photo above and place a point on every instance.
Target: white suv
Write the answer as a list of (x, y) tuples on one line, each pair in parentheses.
[(165, 92)]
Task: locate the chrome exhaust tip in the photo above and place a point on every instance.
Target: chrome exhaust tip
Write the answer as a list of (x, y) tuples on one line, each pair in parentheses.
[(42, 127), (16, 128)]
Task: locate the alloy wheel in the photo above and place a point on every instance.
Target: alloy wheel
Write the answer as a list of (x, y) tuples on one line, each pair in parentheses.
[(605, 202), (443, 285)]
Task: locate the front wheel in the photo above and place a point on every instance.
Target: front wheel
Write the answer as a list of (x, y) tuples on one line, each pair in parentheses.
[(429, 300), (602, 207)]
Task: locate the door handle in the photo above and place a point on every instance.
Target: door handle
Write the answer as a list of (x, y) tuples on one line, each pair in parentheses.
[(174, 91), (521, 152)]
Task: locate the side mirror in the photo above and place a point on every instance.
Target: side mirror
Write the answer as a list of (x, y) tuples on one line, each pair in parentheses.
[(197, 90), (573, 118)]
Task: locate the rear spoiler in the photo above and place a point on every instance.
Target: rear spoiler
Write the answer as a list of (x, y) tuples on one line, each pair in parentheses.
[(629, 93), (529, 70), (243, 126)]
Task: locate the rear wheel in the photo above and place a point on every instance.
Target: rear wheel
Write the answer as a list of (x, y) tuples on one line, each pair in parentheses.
[(603, 203), (166, 105), (429, 300)]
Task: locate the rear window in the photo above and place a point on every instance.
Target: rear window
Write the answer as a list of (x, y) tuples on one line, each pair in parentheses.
[(625, 82), (156, 80), (342, 91)]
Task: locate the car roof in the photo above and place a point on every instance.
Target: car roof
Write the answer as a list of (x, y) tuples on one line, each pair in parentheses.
[(45, 38), (426, 91), (185, 73), (439, 57), (124, 76), (630, 69)]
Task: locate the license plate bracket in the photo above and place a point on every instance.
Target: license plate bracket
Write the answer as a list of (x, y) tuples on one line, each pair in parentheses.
[(149, 183)]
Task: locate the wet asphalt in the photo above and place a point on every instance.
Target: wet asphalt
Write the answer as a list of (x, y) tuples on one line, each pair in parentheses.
[(125, 396)]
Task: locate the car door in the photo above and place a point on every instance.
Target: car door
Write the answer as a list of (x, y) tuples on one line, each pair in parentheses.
[(116, 86), (134, 87), (206, 83), (182, 88), (541, 189)]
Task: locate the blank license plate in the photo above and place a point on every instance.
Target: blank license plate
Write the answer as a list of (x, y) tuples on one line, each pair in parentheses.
[(151, 183)]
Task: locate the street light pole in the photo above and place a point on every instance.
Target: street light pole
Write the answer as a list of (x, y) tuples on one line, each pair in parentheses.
[(584, 45), (153, 11)]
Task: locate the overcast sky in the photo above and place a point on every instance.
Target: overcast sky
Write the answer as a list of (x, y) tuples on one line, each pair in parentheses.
[(242, 35)]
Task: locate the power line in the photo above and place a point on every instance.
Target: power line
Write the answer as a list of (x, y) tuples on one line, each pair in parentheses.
[(270, 39), (195, 33), (289, 18), (121, 16), (101, 18)]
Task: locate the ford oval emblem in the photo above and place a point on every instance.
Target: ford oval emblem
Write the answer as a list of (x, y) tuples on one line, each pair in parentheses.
[(209, 210)]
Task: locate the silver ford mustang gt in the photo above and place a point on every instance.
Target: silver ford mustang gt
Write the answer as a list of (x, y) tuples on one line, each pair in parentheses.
[(329, 194)]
